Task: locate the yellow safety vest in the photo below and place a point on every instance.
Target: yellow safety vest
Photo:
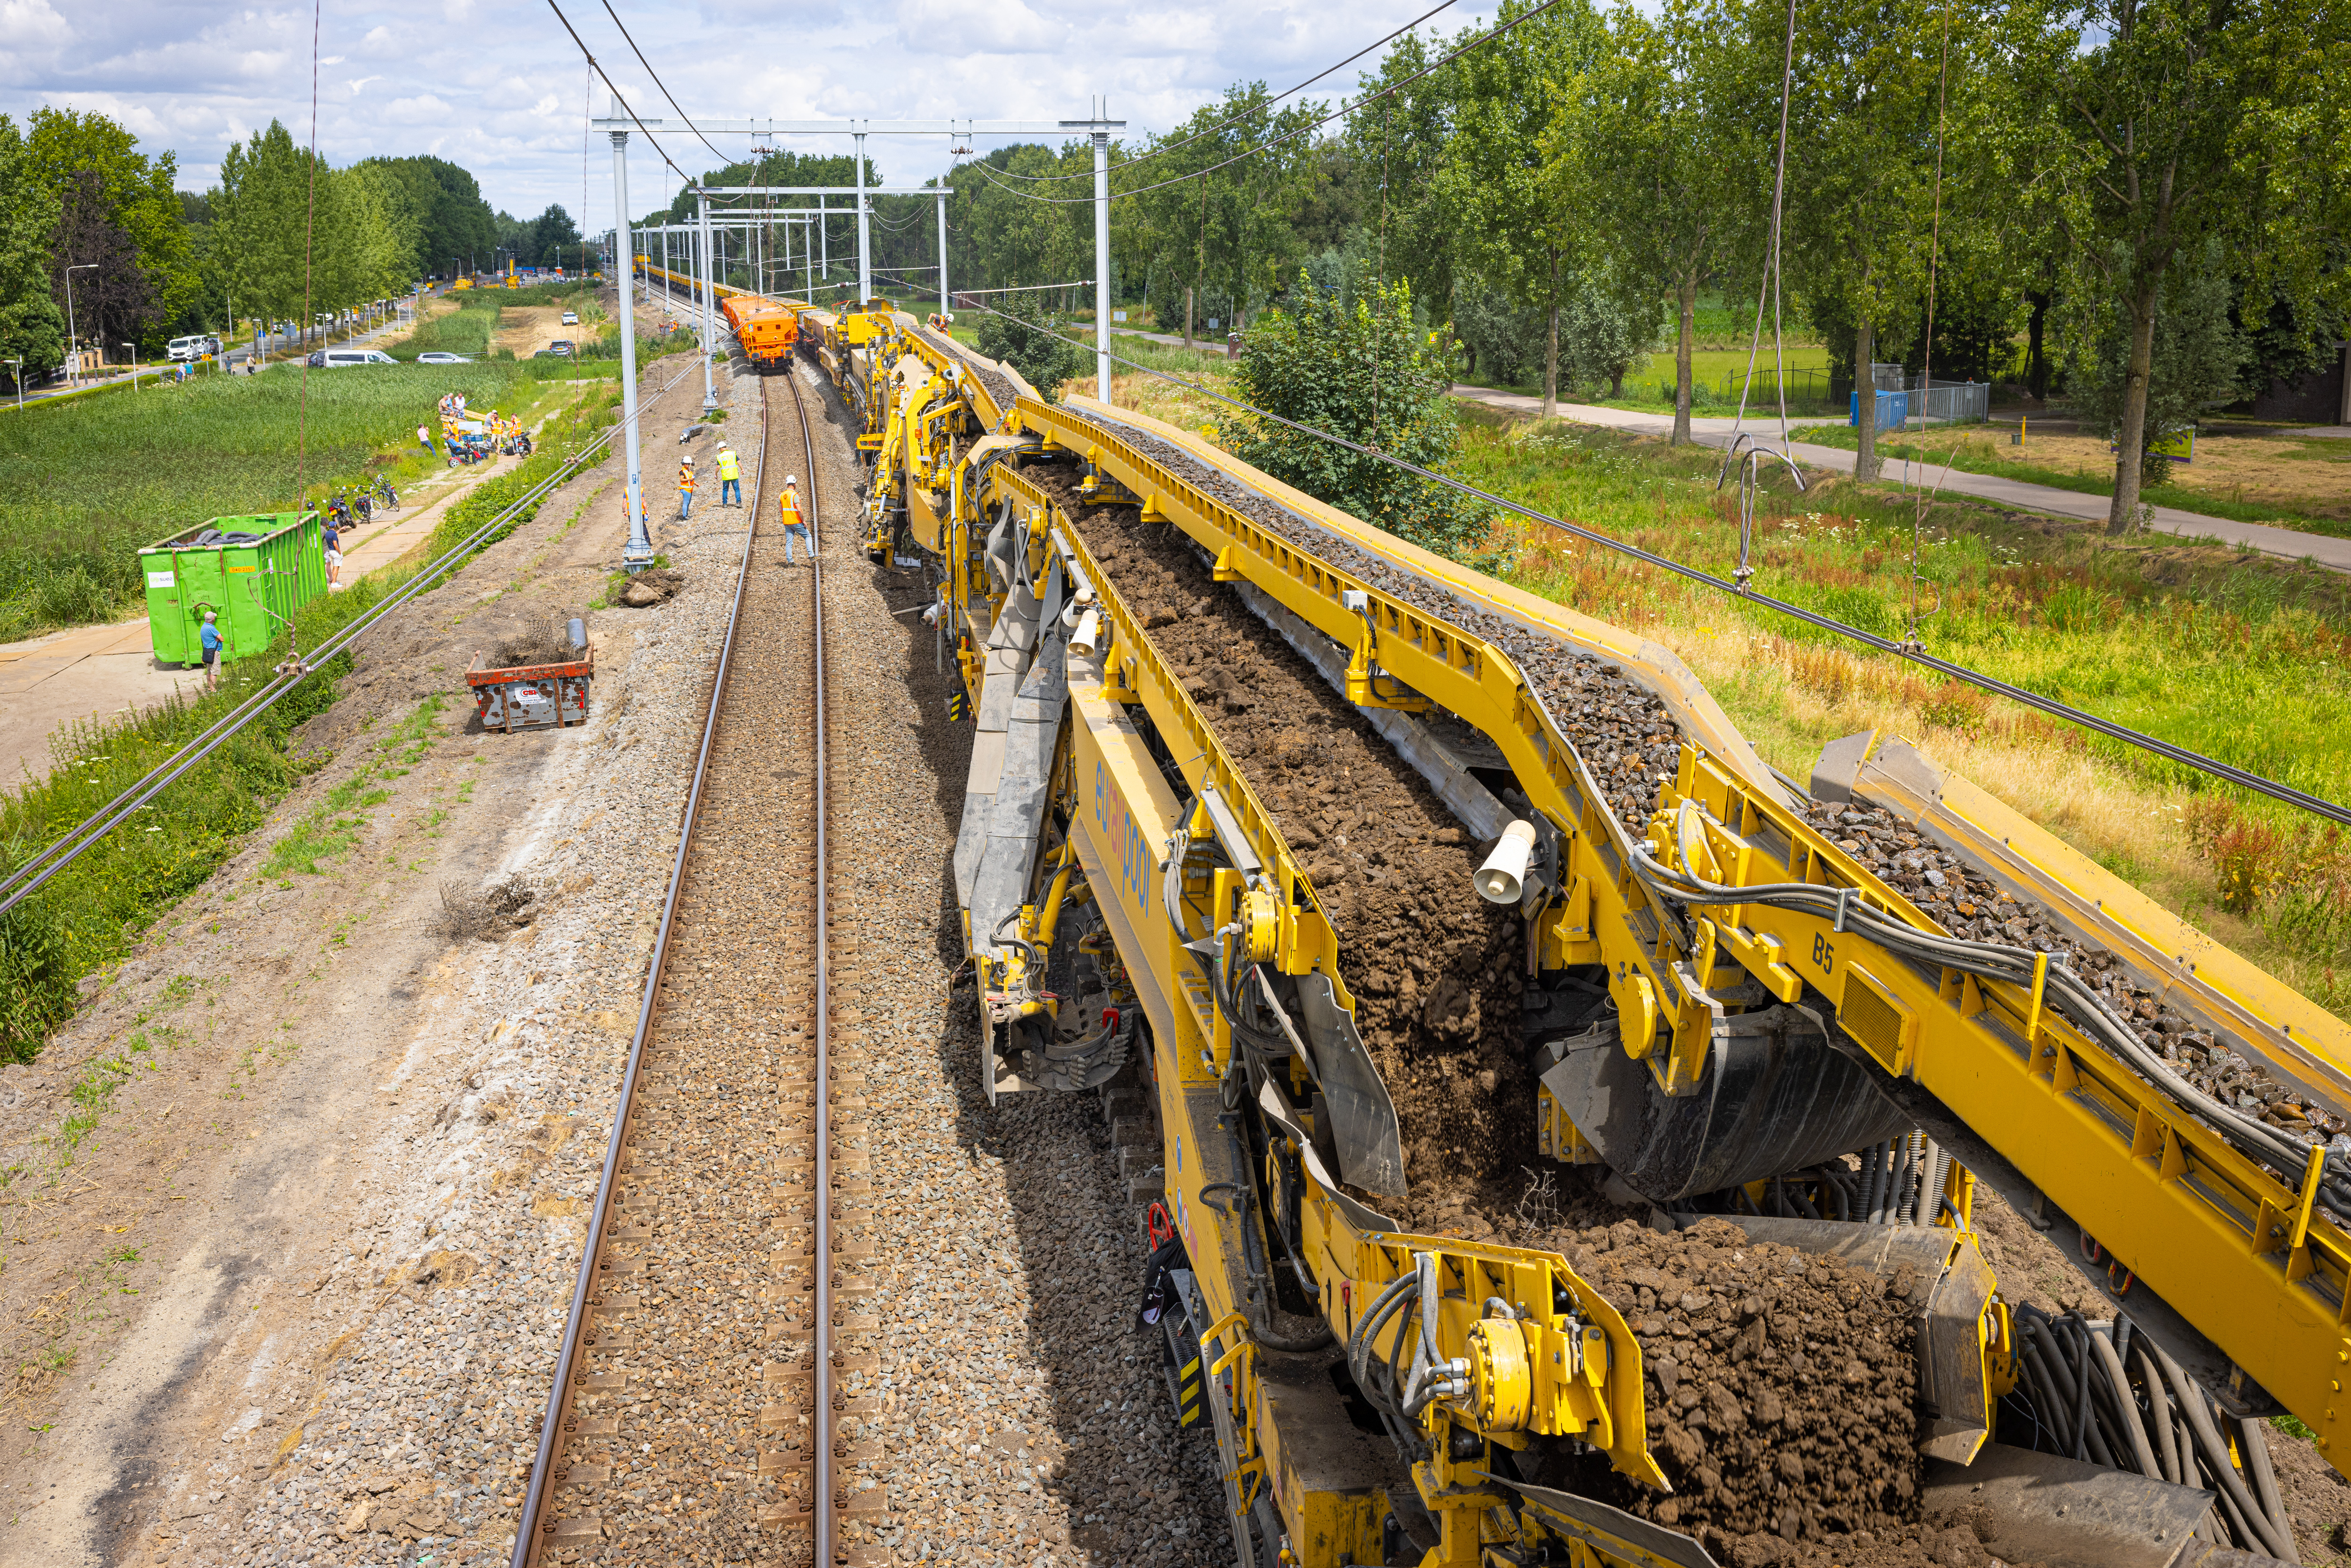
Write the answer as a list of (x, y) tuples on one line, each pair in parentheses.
[(730, 466)]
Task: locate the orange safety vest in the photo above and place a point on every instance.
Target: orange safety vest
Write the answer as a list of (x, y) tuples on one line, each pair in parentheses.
[(788, 507), (685, 480)]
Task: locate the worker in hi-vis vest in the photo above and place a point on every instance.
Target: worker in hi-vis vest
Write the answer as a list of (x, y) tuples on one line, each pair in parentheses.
[(793, 522), (730, 477)]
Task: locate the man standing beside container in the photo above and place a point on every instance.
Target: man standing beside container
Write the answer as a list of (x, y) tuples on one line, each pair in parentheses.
[(212, 638)]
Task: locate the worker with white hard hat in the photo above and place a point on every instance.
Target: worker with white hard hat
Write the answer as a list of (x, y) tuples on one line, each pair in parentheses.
[(794, 523)]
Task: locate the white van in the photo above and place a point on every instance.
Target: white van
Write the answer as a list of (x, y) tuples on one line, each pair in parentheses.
[(194, 348), (338, 358)]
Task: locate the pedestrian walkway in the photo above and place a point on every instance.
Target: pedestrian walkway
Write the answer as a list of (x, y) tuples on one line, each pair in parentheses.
[(101, 672), (2288, 544)]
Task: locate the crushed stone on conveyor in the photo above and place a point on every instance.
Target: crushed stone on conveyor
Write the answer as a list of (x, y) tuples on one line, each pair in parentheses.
[(1630, 743)]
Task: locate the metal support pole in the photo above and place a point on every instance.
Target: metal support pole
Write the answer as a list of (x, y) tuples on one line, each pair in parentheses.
[(638, 553), (1102, 250), (864, 255), (823, 248), (944, 295), (709, 327)]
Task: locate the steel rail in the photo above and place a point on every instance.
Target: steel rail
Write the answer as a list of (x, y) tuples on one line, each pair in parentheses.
[(821, 1422), (535, 1522), (62, 852)]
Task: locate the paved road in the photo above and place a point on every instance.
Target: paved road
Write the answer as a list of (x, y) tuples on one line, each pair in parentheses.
[(2285, 543), (233, 356)]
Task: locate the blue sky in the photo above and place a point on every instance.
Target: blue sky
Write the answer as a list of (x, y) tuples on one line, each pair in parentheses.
[(502, 90)]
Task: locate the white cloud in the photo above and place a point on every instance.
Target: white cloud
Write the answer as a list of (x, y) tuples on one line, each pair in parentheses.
[(500, 88), (31, 24)]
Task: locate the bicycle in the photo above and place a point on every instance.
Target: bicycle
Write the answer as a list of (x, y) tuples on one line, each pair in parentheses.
[(387, 495)]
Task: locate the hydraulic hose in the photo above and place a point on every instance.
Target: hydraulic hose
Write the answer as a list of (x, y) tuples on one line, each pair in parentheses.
[(2278, 1542), (2118, 1389), (2253, 1441), (2064, 992), (2168, 1450)]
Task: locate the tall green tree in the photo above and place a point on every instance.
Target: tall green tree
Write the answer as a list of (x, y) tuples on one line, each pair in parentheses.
[(1863, 126), (1397, 140), (454, 226), (1516, 227), (32, 327), (263, 225), (1227, 189), (1662, 150), (2173, 122), (104, 187)]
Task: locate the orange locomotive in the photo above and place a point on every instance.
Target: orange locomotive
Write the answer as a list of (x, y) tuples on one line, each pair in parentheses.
[(767, 330)]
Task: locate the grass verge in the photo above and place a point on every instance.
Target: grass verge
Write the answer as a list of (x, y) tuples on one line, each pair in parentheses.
[(1975, 452), (91, 913), (2241, 660)]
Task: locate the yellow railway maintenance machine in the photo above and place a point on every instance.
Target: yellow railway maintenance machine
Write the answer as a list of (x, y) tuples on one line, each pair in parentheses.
[(1111, 850)]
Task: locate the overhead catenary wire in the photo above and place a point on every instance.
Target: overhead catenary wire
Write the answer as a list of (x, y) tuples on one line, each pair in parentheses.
[(2211, 767), (1341, 112), (1253, 109), (621, 220), (658, 82)]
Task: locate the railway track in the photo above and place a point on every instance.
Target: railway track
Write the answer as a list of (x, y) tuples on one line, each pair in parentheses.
[(694, 1409)]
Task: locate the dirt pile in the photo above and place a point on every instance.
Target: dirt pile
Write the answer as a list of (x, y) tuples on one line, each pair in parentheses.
[(655, 586), (1625, 734), (1779, 1386), (545, 641), (1434, 968)]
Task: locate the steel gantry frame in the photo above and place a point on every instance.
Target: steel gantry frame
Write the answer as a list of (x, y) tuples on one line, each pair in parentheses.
[(1098, 127)]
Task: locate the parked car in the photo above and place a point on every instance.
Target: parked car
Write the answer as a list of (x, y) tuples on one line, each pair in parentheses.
[(572, 318), (341, 359), (443, 356)]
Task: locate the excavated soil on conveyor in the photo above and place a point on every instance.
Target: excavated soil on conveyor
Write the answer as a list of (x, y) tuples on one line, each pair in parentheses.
[(1629, 741), (1434, 968), (1781, 1389)]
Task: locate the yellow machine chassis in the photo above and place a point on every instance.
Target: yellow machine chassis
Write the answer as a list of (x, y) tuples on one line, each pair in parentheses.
[(2239, 1252)]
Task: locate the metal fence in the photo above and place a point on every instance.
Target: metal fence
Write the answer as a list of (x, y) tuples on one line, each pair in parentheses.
[(1942, 403)]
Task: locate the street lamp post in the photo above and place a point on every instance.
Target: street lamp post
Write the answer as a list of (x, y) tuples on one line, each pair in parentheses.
[(134, 365), (73, 333), (17, 375)]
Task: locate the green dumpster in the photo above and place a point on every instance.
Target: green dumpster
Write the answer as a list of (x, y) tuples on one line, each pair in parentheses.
[(252, 572)]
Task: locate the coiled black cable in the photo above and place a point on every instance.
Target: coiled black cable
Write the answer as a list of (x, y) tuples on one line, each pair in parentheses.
[(2064, 992)]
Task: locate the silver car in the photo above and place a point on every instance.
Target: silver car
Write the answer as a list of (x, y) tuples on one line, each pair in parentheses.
[(443, 357)]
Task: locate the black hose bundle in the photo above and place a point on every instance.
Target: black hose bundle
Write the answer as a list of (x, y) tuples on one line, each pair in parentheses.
[(2064, 993), (2109, 1394)]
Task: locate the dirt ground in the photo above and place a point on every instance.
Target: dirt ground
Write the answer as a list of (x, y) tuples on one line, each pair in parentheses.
[(528, 329), (225, 1173)]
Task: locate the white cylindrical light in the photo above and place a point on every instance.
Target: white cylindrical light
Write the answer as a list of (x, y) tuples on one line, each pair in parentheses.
[(1088, 636), (1503, 878)]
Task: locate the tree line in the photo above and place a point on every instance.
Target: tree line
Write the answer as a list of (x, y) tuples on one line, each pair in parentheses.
[(148, 262), (2146, 202)]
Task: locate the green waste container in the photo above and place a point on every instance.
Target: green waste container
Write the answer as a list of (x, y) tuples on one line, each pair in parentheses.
[(252, 572)]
